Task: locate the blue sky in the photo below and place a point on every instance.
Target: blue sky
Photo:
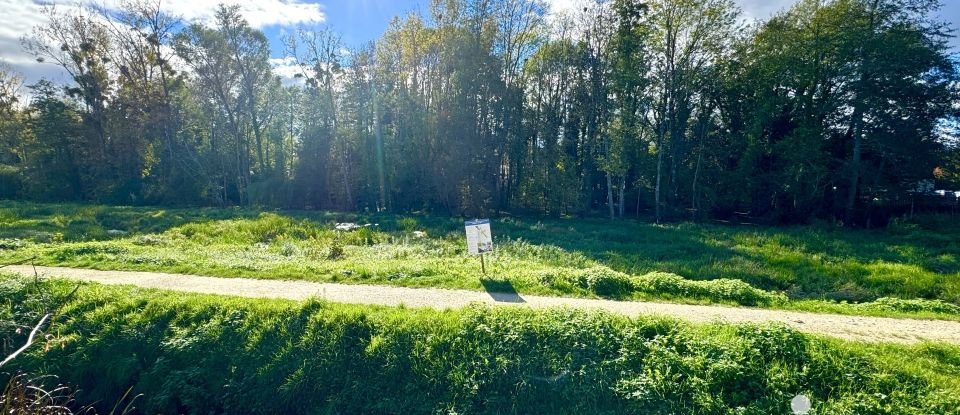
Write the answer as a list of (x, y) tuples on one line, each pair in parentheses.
[(358, 21), (363, 20)]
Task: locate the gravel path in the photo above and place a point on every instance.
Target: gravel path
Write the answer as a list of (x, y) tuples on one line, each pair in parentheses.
[(874, 329)]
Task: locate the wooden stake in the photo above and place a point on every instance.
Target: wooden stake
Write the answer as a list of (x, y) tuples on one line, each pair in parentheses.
[(483, 266)]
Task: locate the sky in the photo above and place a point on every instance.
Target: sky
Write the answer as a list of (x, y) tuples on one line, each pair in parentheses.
[(358, 21)]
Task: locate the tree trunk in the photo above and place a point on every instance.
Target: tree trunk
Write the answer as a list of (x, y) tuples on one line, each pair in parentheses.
[(258, 137), (693, 189), (378, 133), (854, 166), (623, 185), (857, 123), (659, 175), (610, 196)]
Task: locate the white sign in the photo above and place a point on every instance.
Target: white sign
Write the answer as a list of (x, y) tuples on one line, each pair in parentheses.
[(479, 238)]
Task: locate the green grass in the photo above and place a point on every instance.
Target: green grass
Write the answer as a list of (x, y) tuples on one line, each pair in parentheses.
[(209, 354), (817, 268)]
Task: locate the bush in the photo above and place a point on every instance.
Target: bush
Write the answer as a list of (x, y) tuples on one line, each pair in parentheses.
[(721, 290), (910, 306), (89, 248), (11, 184), (335, 251), (206, 354), (150, 240), (605, 282), (289, 249), (364, 236)]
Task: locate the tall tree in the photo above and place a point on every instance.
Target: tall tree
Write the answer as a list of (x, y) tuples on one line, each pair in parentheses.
[(80, 44), (688, 36)]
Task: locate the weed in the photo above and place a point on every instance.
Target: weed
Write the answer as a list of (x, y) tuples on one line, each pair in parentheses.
[(813, 266), (335, 251), (206, 354), (911, 306), (289, 249), (149, 240)]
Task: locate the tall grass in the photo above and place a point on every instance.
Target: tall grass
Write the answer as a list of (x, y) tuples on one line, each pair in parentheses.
[(747, 265), (207, 354)]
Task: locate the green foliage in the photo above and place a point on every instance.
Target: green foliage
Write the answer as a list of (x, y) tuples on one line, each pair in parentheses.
[(203, 354), (11, 182), (607, 283), (721, 290), (814, 266), (911, 306), (663, 108), (335, 251)]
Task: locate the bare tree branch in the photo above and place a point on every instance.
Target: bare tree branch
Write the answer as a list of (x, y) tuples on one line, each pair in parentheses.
[(30, 339)]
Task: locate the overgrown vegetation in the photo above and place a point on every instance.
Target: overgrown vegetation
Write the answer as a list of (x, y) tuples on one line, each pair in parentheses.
[(917, 260), (207, 354), (24, 395), (26, 320)]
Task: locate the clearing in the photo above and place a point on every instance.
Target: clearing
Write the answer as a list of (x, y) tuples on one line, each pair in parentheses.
[(910, 269)]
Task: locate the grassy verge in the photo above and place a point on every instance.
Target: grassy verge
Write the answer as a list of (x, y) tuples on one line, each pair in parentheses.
[(208, 354), (912, 268)]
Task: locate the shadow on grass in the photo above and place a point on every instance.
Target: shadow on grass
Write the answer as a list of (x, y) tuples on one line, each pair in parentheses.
[(808, 262), (501, 291)]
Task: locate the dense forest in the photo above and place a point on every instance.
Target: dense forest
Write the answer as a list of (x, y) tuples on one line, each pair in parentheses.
[(668, 109)]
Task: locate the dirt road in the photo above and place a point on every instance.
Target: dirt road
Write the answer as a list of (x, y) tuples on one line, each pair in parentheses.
[(873, 329)]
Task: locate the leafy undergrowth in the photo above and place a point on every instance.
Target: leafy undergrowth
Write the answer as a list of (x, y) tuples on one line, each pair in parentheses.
[(607, 283), (208, 354), (910, 306), (813, 268)]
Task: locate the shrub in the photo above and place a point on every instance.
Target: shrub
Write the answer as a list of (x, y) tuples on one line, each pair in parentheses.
[(408, 224), (364, 236), (335, 251), (11, 183), (721, 290), (150, 240), (289, 249), (910, 306), (83, 249), (851, 292), (605, 282)]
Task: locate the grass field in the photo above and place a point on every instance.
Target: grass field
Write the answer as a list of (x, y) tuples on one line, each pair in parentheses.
[(912, 267), (206, 354)]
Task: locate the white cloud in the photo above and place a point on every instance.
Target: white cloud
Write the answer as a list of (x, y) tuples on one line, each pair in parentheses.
[(259, 13), (20, 17), (563, 6), (752, 9), (763, 9), (287, 69)]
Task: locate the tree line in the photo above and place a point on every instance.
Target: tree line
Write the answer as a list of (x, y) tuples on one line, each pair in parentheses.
[(672, 109)]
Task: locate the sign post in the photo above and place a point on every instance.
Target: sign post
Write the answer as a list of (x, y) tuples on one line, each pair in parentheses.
[(479, 239)]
